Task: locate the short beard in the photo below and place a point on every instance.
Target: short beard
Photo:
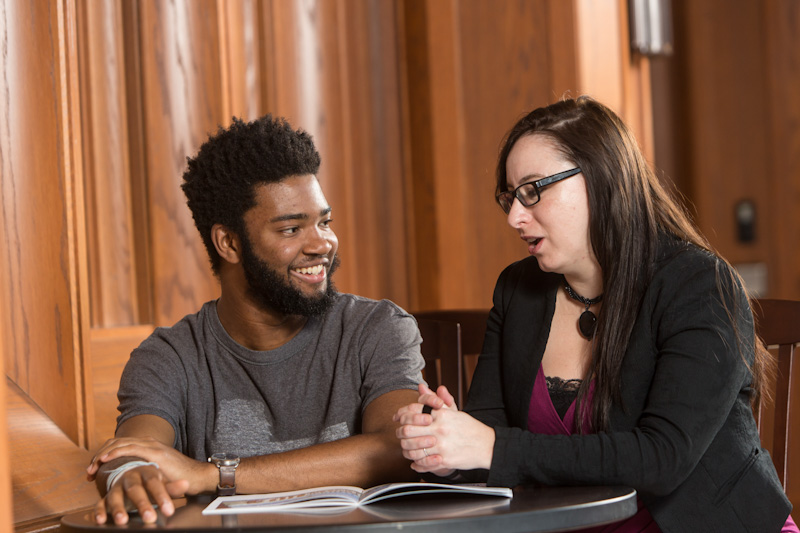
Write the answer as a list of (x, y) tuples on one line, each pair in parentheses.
[(272, 292)]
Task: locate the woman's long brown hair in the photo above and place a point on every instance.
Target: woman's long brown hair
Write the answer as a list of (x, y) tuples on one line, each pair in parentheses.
[(629, 208)]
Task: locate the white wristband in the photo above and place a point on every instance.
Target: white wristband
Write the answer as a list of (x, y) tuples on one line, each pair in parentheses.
[(115, 474)]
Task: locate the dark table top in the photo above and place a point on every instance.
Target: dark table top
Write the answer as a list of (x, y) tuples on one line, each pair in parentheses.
[(531, 509)]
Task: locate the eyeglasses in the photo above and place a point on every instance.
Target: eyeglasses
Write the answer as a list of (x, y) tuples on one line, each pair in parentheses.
[(529, 193)]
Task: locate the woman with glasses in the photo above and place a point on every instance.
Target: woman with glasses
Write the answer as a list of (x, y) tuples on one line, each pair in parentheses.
[(621, 352)]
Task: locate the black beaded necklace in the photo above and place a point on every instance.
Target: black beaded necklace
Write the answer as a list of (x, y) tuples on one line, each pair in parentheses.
[(588, 320)]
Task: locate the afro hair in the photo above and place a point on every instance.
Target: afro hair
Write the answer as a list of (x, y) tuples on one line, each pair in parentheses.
[(220, 181)]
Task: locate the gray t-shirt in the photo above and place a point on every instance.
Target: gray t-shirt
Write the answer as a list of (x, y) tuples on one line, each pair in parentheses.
[(221, 397)]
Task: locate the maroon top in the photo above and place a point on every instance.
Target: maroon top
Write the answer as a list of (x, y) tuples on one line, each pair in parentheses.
[(543, 419)]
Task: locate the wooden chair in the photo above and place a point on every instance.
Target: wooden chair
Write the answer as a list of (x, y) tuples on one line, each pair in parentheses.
[(448, 338), (778, 324)]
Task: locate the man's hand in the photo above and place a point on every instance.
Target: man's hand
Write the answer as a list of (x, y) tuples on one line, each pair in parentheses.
[(140, 486), (173, 465), (147, 438)]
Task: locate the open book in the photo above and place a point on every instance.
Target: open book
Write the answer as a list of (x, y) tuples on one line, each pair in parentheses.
[(340, 497)]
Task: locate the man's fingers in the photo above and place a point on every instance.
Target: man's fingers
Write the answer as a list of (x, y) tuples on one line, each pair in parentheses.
[(178, 488), (136, 486), (115, 505), (100, 512), (158, 492), (139, 497)]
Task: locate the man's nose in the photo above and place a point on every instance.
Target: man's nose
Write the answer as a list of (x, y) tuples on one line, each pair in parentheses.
[(320, 242)]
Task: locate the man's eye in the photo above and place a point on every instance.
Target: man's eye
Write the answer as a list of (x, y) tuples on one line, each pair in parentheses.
[(290, 231), (326, 223)]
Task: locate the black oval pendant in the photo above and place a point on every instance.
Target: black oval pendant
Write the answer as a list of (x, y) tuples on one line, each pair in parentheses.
[(586, 323)]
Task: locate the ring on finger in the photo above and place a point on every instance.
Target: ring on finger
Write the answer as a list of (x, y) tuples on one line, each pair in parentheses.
[(425, 451)]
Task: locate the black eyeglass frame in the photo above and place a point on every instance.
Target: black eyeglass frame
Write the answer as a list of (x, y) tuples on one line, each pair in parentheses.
[(537, 186)]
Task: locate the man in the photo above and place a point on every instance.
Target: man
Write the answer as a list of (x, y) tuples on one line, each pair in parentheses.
[(297, 380)]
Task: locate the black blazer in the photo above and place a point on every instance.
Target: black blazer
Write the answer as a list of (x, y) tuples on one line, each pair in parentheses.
[(684, 437)]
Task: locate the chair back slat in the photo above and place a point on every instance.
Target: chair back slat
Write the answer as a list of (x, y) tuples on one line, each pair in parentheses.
[(778, 324), (441, 349), (447, 336)]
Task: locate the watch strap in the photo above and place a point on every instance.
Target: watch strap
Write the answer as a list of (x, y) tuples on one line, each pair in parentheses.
[(227, 481)]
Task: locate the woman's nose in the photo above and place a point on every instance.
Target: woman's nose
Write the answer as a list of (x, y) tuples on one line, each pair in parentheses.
[(518, 214)]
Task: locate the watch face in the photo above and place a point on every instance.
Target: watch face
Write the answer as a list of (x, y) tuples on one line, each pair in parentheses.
[(224, 459)]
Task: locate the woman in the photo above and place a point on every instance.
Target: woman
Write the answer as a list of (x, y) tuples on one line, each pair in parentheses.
[(621, 352)]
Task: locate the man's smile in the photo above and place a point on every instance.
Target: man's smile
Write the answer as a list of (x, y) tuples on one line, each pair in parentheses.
[(310, 274)]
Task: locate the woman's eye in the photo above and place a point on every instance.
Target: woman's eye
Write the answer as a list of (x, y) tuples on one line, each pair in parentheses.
[(529, 193)]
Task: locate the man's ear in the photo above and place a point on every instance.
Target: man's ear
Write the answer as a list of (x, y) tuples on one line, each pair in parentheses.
[(227, 243)]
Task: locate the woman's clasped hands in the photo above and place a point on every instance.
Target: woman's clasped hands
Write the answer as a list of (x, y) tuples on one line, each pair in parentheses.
[(445, 440)]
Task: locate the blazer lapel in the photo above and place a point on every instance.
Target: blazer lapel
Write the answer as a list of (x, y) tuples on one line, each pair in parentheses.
[(525, 332)]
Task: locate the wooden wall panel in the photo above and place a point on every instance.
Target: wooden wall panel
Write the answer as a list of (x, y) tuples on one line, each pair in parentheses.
[(732, 133), (137, 159), (501, 80), (334, 73), (181, 89), (601, 38), (38, 239), (781, 25), (241, 35), (6, 501), (112, 252), (438, 173), (606, 69), (379, 240), (110, 348), (309, 84), (723, 168), (445, 113), (473, 69)]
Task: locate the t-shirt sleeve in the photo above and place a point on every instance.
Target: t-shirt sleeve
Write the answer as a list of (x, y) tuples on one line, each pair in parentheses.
[(153, 383), (389, 352)]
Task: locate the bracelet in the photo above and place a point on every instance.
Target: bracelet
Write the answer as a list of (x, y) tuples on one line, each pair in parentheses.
[(115, 474)]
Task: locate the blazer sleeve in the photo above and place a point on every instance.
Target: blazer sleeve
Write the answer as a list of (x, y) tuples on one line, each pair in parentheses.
[(698, 374)]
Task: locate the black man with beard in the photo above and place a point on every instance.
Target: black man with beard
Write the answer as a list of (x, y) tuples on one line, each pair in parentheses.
[(293, 382)]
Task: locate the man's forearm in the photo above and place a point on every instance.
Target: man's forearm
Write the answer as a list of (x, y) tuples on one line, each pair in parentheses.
[(364, 460), (361, 460)]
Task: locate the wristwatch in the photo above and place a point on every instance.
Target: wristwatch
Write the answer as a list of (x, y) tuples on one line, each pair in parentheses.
[(227, 463)]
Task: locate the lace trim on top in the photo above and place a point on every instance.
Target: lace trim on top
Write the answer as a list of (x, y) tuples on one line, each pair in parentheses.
[(562, 393)]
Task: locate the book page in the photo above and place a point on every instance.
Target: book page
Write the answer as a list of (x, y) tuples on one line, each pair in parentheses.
[(340, 497), (278, 501), (392, 490)]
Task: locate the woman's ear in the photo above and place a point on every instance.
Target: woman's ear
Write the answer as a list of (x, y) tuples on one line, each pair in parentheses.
[(227, 243)]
